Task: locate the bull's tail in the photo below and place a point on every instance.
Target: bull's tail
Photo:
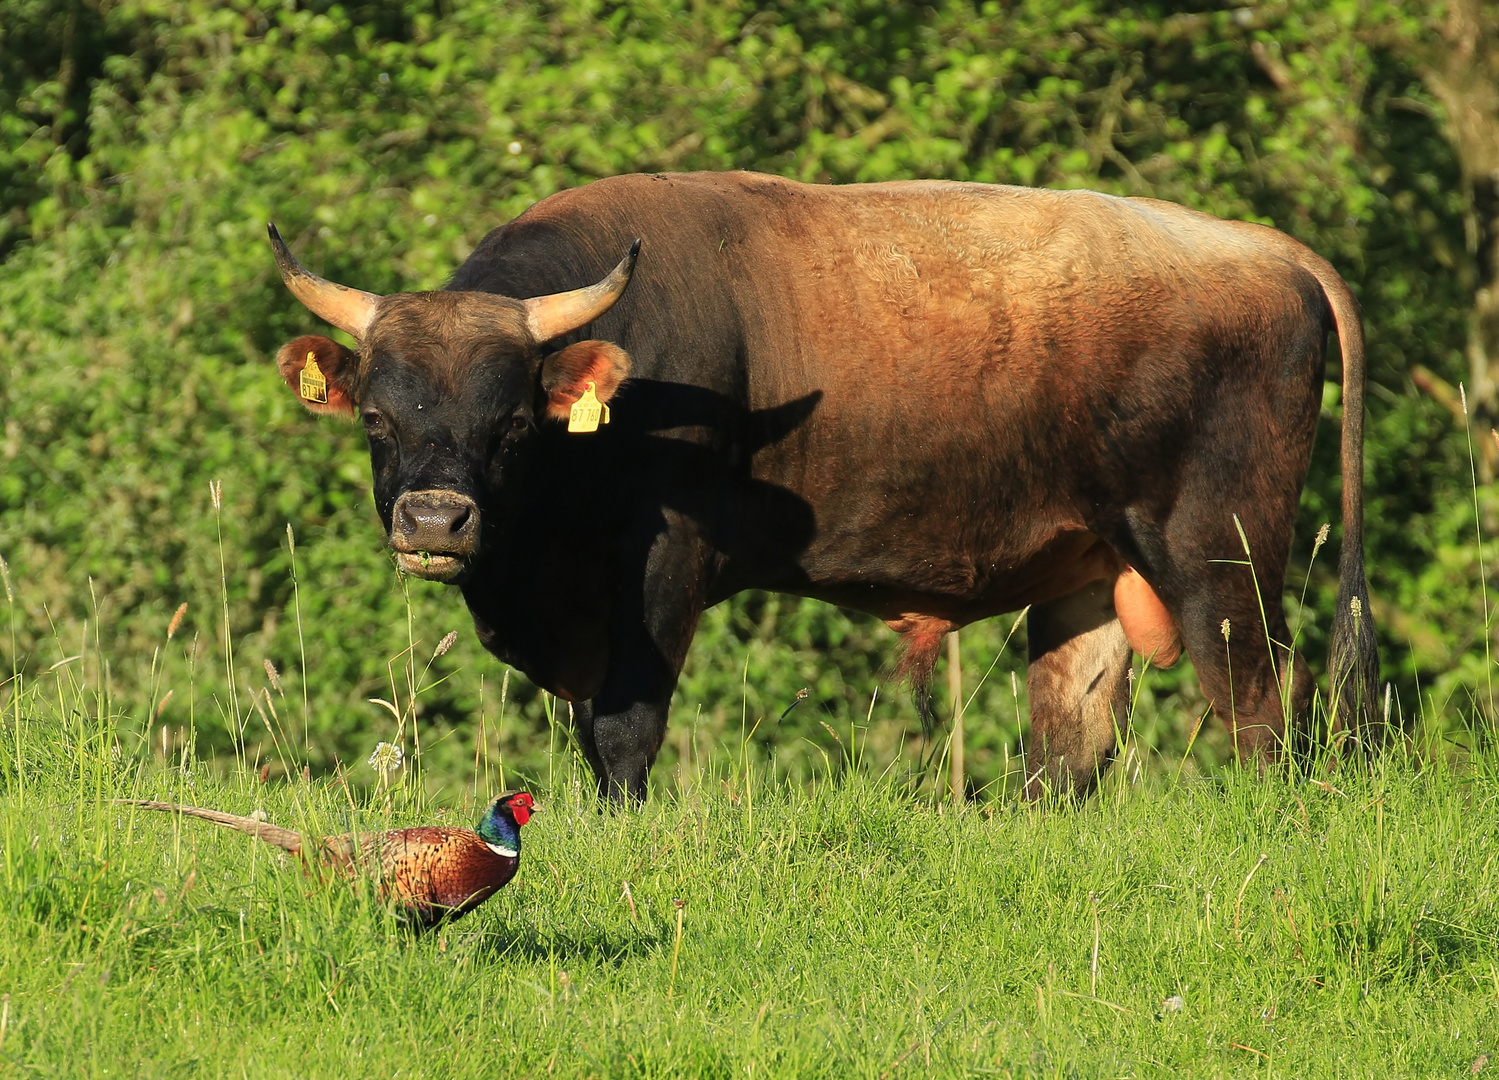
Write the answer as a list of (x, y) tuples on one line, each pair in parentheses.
[(1354, 655), (271, 834)]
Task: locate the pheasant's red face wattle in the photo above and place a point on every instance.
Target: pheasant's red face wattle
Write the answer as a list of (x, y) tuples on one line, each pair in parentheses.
[(520, 808)]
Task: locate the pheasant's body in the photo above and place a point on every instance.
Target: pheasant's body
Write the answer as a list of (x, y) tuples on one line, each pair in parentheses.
[(432, 872)]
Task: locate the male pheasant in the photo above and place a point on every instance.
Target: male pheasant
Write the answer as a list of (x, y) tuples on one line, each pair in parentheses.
[(433, 873)]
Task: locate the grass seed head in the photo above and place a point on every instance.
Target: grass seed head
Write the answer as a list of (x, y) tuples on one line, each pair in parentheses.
[(446, 643), (274, 676), (176, 623)]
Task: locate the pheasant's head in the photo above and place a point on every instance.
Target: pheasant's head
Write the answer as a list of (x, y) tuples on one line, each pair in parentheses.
[(500, 828), (520, 806)]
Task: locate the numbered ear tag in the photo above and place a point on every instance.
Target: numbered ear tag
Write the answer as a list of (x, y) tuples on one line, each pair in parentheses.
[(587, 413), (314, 385)]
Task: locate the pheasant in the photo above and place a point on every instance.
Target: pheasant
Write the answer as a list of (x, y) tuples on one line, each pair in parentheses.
[(433, 873)]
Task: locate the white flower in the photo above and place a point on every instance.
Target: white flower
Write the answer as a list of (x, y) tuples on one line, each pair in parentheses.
[(385, 760)]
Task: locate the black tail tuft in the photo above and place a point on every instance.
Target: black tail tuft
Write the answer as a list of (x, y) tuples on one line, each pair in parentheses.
[(1354, 657)]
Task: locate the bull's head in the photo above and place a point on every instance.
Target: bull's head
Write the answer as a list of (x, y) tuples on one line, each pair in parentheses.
[(449, 386)]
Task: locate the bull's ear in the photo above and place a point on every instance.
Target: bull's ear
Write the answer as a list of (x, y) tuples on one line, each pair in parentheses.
[(321, 372), (565, 375)]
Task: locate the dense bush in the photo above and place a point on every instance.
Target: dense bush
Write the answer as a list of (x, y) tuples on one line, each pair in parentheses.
[(146, 143)]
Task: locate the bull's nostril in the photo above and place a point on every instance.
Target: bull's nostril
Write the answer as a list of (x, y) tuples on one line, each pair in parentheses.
[(435, 521)]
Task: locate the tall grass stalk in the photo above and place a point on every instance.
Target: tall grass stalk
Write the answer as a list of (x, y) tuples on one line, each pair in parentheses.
[(236, 733), (296, 600), (1483, 576), (18, 731)]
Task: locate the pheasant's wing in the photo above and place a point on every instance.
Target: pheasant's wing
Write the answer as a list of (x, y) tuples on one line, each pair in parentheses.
[(261, 830), (439, 872)]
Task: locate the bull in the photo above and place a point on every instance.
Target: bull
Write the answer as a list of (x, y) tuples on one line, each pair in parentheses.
[(930, 401)]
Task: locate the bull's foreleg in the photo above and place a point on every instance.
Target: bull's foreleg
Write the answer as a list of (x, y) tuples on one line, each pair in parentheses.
[(655, 614), (1079, 691)]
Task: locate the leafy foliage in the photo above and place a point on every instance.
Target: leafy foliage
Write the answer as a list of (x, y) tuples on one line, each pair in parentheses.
[(147, 142)]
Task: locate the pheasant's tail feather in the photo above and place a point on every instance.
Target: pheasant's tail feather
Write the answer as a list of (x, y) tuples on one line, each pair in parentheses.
[(272, 834)]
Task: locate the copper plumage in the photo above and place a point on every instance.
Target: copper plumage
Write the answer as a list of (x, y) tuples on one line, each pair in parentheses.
[(432, 873)]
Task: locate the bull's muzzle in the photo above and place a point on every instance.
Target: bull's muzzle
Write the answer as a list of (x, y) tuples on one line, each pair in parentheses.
[(434, 533)]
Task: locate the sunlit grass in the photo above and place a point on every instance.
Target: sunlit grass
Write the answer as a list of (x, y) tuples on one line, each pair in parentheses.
[(1339, 925)]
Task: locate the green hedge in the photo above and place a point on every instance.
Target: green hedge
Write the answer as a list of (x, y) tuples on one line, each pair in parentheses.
[(145, 143)]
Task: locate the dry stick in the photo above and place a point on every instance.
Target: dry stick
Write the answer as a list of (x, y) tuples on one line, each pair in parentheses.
[(676, 950)]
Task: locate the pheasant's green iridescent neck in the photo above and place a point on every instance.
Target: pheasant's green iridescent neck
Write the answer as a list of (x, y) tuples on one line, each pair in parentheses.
[(499, 830)]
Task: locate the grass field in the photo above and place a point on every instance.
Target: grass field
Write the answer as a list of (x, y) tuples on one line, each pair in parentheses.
[(1341, 925)]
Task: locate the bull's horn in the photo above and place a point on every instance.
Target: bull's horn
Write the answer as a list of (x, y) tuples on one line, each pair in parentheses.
[(348, 309), (549, 317)]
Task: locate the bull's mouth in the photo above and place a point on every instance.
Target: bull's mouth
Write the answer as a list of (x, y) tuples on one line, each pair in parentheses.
[(424, 564)]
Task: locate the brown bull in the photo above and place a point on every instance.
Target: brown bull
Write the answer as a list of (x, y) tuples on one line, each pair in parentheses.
[(934, 402)]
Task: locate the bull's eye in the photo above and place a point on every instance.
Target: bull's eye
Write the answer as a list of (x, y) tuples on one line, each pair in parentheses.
[(518, 422), (374, 424)]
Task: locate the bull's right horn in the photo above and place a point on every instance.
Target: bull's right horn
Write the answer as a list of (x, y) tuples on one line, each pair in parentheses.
[(338, 305), (549, 317)]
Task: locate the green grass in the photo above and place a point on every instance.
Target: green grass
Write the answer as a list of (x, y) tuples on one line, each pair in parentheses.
[(1346, 926)]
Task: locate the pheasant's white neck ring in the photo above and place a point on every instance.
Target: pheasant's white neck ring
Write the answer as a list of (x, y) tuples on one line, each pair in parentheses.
[(500, 849)]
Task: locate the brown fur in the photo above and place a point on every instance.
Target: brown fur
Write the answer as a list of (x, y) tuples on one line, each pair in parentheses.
[(565, 375), (340, 366)]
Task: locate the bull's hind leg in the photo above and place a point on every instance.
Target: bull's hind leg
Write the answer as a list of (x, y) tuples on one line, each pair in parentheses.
[(1079, 691), (1244, 662)]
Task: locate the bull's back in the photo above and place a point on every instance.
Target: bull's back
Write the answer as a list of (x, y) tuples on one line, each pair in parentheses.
[(980, 364)]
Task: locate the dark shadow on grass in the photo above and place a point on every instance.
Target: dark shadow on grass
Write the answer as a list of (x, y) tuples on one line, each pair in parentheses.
[(516, 941)]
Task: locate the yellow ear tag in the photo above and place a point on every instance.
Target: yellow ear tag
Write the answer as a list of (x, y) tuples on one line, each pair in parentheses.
[(587, 413), (314, 385)]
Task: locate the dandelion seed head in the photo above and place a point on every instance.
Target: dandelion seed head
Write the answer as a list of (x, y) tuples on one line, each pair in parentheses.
[(446, 643), (386, 758), (1174, 1004), (259, 815)]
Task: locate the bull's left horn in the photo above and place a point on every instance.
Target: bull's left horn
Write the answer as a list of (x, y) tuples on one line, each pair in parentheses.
[(549, 317), (348, 309)]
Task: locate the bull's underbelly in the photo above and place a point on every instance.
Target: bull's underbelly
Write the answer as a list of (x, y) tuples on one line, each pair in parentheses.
[(893, 579), (923, 595)]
